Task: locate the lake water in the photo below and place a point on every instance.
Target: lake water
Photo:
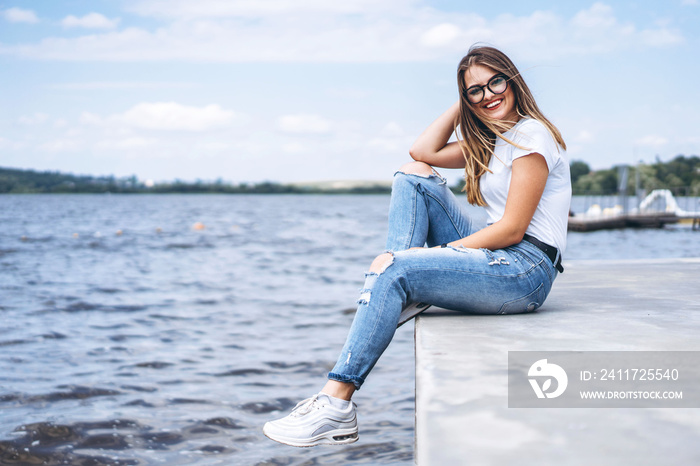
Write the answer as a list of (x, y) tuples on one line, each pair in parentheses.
[(129, 337)]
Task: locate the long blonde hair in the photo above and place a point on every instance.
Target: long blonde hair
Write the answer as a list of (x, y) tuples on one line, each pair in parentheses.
[(478, 134)]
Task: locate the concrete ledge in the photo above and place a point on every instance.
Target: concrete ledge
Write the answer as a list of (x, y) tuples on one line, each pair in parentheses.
[(462, 414)]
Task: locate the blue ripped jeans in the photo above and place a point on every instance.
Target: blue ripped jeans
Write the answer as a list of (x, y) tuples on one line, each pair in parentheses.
[(477, 281)]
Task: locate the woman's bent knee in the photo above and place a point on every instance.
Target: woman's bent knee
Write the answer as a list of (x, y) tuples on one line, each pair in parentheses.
[(381, 263), (417, 168)]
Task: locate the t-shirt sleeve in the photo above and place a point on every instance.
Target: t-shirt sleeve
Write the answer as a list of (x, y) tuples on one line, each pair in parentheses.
[(535, 138)]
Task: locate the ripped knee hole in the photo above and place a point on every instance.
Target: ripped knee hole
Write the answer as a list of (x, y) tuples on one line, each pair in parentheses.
[(381, 263), (419, 168)]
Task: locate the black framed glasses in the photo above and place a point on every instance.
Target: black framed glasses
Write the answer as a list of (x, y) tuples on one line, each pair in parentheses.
[(497, 85)]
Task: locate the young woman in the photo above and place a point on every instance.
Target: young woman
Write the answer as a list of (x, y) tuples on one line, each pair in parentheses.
[(515, 166)]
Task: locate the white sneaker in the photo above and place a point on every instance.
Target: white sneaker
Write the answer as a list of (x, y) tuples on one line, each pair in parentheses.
[(315, 421), (411, 311)]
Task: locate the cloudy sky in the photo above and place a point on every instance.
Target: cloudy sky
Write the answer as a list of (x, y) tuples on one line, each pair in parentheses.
[(300, 90)]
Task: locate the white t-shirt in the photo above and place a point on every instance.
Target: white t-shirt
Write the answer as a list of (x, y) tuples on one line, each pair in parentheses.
[(550, 219)]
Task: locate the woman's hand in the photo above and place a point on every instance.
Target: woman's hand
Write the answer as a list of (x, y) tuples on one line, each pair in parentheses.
[(432, 147)]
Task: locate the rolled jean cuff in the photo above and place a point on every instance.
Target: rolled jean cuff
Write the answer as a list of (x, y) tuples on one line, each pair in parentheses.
[(357, 381)]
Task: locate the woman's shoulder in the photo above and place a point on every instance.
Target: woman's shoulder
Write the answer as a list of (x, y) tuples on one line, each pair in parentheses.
[(530, 126), (534, 131), (531, 135)]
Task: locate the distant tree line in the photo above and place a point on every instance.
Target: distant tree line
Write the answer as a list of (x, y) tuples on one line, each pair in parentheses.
[(17, 181), (681, 175)]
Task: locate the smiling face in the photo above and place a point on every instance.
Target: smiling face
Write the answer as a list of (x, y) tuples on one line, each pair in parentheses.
[(496, 106)]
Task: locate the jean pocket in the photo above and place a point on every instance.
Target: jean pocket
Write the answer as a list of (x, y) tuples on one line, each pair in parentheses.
[(525, 304), (528, 263)]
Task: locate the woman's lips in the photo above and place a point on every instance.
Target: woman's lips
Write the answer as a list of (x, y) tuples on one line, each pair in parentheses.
[(494, 104)]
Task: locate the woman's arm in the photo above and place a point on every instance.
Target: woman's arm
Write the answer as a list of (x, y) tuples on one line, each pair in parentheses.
[(432, 147), (527, 184)]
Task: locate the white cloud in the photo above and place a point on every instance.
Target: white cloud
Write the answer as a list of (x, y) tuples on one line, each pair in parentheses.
[(18, 15), (127, 143), (391, 139), (598, 16), (88, 118), (11, 145), (60, 145), (161, 116), (35, 119), (661, 37), (90, 21), (293, 148), (387, 145), (652, 140), (304, 124), (136, 142), (361, 31), (165, 116), (440, 35), (393, 129), (171, 116), (690, 2), (214, 146)]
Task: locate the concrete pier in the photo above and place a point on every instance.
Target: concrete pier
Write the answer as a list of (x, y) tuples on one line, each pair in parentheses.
[(462, 414)]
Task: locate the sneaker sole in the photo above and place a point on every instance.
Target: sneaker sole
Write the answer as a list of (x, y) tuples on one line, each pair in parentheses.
[(410, 312), (334, 437)]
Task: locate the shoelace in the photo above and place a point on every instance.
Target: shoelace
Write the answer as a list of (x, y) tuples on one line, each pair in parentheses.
[(303, 407)]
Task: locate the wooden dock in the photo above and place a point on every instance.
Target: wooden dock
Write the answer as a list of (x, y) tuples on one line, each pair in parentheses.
[(644, 216), (609, 222)]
